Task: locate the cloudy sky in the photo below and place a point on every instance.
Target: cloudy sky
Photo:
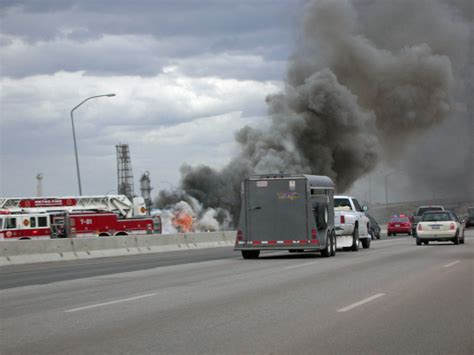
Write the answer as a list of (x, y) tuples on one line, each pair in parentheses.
[(187, 75)]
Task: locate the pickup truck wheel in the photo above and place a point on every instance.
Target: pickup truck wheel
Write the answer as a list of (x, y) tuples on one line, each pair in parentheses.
[(365, 243), (250, 254), (355, 239), (334, 244)]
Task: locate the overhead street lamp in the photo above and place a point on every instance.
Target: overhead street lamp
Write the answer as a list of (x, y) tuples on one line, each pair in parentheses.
[(74, 136)]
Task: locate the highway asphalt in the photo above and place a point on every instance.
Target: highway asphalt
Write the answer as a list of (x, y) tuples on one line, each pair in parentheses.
[(394, 298)]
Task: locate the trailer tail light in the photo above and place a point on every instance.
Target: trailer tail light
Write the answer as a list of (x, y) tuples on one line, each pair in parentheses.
[(451, 226), (314, 233), (343, 219), (419, 227), (240, 236)]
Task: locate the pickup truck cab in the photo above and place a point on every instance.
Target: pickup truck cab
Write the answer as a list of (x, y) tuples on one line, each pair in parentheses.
[(417, 216), (351, 224)]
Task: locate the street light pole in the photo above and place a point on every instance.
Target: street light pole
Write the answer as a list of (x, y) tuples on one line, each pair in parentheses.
[(386, 189), (74, 136)]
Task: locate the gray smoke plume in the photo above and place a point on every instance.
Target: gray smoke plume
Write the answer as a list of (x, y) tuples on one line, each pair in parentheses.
[(357, 90)]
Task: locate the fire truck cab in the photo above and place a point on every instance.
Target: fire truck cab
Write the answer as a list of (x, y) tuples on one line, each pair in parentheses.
[(25, 226)]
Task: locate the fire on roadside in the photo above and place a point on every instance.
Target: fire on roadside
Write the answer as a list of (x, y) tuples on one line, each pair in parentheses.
[(183, 222)]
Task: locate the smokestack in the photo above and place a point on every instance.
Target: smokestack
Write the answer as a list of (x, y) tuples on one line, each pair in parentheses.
[(39, 185)]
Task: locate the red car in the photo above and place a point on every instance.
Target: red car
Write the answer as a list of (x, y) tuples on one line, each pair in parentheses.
[(399, 224)]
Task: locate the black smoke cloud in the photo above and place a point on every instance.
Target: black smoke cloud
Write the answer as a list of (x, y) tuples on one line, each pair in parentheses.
[(350, 99)]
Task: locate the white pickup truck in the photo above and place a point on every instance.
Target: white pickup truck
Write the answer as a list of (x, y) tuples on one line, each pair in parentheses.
[(351, 223)]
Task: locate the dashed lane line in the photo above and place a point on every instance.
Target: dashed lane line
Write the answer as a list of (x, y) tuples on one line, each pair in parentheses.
[(360, 303), (453, 263), (109, 303)]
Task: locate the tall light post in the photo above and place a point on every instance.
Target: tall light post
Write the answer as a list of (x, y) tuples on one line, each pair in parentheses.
[(74, 136)]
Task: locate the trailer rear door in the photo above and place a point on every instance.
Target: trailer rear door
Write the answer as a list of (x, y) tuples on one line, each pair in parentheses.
[(276, 209)]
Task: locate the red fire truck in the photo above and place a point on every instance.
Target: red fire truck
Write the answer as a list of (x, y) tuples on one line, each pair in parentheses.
[(74, 217)]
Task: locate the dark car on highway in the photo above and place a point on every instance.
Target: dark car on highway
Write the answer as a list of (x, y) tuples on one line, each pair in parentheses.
[(469, 221), (374, 228)]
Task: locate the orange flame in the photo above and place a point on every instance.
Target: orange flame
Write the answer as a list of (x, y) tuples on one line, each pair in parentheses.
[(183, 222)]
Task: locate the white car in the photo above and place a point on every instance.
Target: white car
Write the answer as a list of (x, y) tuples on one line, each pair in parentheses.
[(439, 226)]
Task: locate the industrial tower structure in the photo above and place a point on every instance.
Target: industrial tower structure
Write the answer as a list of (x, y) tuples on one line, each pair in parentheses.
[(145, 189), (124, 171), (39, 185)]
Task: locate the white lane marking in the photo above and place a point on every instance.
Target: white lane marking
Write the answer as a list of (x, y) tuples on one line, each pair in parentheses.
[(453, 263), (301, 265), (360, 303), (111, 302)]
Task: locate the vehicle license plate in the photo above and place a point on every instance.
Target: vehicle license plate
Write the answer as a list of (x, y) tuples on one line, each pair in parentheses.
[(397, 225), (435, 227)]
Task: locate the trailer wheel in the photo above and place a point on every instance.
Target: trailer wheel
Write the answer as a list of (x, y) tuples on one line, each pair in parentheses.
[(121, 233), (330, 249), (104, 235), (250, 254)]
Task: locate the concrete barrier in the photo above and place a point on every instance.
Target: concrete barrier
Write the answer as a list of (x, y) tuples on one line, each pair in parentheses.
[(34, 251), (14, 252)]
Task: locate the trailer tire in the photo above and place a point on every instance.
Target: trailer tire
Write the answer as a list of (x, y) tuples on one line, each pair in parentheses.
[(104, 235), (121, 233), (250, 254), (355, 239), (330, 249), (321, 215)]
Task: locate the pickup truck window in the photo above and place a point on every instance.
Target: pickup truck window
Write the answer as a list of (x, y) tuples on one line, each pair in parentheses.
[(357, 205), (342, 202), (426, 209)]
